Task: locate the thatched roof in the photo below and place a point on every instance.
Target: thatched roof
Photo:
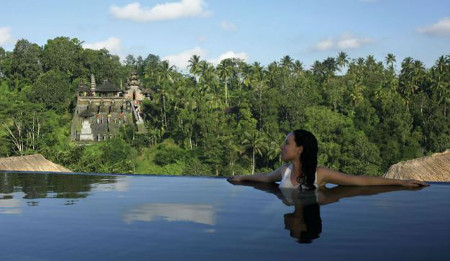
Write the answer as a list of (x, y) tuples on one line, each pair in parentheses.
[(107, 87), (35, 162), (432, 168)]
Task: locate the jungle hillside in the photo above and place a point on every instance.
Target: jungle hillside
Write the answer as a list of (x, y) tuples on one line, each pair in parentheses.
[(229, 118)]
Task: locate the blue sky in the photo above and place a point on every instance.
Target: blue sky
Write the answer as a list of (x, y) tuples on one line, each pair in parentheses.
[(254, 30)]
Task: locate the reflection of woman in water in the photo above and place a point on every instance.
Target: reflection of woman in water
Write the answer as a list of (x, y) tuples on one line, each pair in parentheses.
[(300, 148), (304, 223)]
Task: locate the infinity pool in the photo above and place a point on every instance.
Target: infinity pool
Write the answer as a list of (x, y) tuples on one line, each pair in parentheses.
[(98, 217)]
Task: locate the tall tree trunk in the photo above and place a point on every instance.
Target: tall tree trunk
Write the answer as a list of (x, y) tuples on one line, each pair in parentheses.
[(260, 111), (445, 109), (253, 161), (226, 92), (164, 114)]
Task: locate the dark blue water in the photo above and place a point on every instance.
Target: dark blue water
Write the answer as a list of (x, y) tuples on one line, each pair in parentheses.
[(87, 217)]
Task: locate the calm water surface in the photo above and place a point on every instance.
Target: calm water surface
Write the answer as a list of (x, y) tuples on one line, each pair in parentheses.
[(92, 217)]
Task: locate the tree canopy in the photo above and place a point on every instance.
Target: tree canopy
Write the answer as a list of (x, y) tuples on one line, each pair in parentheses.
[(227, 118)]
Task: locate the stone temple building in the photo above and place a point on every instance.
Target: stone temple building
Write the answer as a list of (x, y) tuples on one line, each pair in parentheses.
[(102, 110)]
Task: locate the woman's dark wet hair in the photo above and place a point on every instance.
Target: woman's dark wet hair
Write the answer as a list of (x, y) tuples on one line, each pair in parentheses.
[(308, 158), (312, 221)]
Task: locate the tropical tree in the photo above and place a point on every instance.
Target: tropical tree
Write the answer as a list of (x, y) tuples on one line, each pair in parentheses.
[(440, 85), (130, 61), (65, 55), (287, 63), (342, 60), (390, 60), (225, 71), (26, 64), (258, 83), (194, 65), (255, 143), (52, 89), (298, 68)]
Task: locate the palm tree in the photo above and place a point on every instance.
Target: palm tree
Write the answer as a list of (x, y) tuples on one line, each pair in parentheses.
[(390, 60), (234, 151), (193, 66), (272, 74), (370, 64), (342, 60), (440, 86), (317, 69), (330, 66), (258, 83), (225, 71), (298, 67), (272, 150), (166, 72), (207, 75), (287, 62), (165, 80), (161, 97), (406, 80), (255, 141)]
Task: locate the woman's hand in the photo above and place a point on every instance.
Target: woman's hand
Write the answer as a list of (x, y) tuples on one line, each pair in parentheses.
[(413, 183), (235, 179)]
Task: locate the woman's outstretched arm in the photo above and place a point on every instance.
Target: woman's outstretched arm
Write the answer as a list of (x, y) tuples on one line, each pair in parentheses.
[(338, 178), (273, 176)]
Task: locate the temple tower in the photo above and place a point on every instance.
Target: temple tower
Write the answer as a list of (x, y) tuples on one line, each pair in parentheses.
[(93, 85)]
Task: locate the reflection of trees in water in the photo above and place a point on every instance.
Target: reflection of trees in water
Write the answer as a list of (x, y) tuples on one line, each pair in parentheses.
[(59, 185)]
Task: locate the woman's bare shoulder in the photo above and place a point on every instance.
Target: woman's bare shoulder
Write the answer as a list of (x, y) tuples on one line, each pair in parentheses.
[(280, 171), (283, 167)]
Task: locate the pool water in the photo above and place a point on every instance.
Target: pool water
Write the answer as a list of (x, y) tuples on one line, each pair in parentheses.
[(100, 217)]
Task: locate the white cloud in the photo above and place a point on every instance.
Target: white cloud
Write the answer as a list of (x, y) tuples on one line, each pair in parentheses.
[(172, 212), (5, 35), (181, 60), (10, 206), (343, 42), (348, 41), (159, 12), (230, 54), (325, 44), (113, 44), (441, 28), (122, 184), (227, 26)]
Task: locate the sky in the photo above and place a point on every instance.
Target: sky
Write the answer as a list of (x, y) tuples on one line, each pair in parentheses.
[(253, 30)]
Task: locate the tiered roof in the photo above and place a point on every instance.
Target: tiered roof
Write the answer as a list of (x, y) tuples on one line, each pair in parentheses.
[(107, 86)]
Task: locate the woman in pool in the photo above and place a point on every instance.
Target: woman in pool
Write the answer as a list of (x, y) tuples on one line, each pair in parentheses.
[(300, 148)]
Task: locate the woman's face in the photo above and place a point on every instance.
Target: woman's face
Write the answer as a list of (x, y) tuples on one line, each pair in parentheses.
[(289, 149)]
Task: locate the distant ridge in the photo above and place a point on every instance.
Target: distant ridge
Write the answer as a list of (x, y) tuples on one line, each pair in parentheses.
[(431, 168), (35, 162)]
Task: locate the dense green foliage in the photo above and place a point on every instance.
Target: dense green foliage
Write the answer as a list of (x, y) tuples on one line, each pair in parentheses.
[(230, 118)]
